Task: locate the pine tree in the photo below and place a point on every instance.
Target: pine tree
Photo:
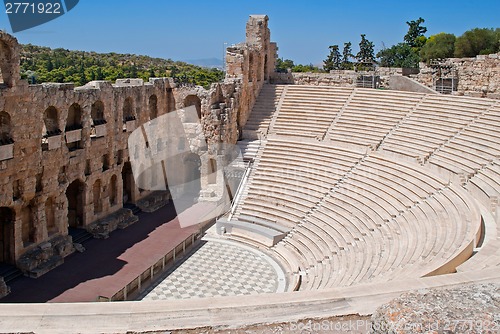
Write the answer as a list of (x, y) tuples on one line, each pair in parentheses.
[(152, 73), (332, 62), (50, 65), (99, 74), (346, 56), (366, 54), (415, 35)]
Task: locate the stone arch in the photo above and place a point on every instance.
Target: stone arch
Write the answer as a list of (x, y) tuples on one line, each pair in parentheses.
[(193, 100), (98, 127), (212, 171), (50, 217), (75, 196), (192, 176), (50, 121), (128, 109), (96, 192), (153, 107), (5, 129), (27, 228), (97, 112), (7, 220), (74, 120), (113, 190), (74, 123)]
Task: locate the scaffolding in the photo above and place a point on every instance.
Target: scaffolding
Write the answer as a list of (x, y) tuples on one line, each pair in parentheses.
[(444, 77), (368, 78)]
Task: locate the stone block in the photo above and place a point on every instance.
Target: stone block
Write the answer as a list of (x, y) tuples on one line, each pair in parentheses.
[(54, 142), (101, 228), (100, 130), (130, 125), (154, 201), (6, 152), (46, 256), (73, 136)]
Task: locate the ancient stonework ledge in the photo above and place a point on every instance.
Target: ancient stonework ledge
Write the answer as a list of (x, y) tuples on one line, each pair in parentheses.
[(467, 309)]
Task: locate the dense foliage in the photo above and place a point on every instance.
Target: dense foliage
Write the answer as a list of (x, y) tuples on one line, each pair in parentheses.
[(407, 53), (343, 61), (284, 65), (334, 59), (438, 46), (42, 64), (477, 42)]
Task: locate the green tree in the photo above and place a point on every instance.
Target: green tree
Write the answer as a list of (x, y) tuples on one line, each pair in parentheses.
[(366, 54), (332, 62), (152, 73), (50, 65), (347, 56), (438, 46), (415, 35), (399, 55), (477, 41), (305, 68), (283, 65), (99, 74)]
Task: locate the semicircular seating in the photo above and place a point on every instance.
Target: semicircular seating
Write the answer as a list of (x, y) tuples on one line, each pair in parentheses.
[(380, 208)]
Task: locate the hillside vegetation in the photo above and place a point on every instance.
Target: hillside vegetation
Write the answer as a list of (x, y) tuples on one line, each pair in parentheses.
[(42, 64)]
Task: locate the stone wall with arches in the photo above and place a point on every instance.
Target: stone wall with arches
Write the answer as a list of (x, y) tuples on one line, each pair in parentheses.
[(64, 157)]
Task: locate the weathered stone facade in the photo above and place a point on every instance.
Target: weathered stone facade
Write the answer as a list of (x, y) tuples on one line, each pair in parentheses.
[(478, 76), (64, 160), (253, 62), (338, 78)]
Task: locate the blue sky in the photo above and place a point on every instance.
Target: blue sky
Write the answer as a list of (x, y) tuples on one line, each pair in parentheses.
[(198, 29)]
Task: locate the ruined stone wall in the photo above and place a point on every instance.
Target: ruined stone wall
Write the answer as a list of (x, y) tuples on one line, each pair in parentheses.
[(64, 157), (338, 78), (252, 63), (478, 77)]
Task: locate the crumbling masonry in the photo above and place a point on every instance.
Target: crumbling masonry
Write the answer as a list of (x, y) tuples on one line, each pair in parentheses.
[(64, 160)]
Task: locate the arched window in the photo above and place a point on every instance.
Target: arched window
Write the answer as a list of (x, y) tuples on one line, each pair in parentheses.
[(96, 190), (51, 122), (193, 100), (51, 129), (74, 120), (97, 111), (73, 127), (128, 110), (98, 121), (75, 196), (128, 115)]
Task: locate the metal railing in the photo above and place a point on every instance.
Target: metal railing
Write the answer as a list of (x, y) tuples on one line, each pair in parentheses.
[(147, 277), (239, 190)]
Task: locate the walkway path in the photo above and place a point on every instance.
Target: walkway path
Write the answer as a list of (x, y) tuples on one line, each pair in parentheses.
[(107, 265)]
